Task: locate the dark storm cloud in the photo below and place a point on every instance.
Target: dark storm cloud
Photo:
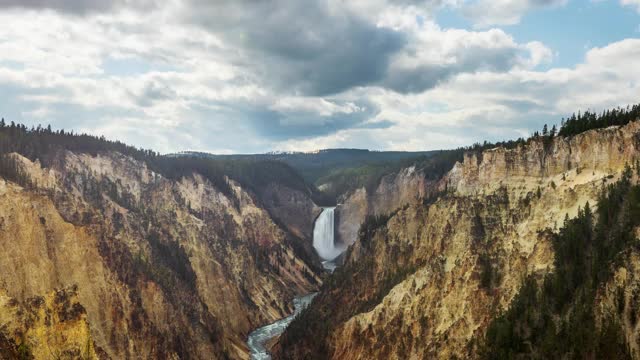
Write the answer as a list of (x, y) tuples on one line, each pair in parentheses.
[(318, 48), (468, 59), (77, 7), (306, 47)]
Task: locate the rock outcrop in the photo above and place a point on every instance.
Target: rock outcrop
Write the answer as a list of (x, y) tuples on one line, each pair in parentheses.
[(394, 190)]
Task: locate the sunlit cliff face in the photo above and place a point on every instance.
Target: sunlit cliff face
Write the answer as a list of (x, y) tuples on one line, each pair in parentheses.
[(139, 257), (419, 286)]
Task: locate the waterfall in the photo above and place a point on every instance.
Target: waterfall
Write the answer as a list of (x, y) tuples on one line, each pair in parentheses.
[(323, 236)]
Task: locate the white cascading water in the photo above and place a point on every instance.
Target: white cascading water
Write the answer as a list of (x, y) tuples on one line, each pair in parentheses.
[(323, 236)]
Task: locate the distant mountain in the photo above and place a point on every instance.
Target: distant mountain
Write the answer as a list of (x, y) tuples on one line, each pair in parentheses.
[(314, 166), (336, 171)]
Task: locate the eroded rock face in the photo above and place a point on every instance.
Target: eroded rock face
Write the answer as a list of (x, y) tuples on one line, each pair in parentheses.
[(426, 283), (162, 268), (599, 152), (394, 191), (50, 326), (294, 209)]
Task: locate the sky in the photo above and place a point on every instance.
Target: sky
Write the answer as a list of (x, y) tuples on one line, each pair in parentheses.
[(251, 76)]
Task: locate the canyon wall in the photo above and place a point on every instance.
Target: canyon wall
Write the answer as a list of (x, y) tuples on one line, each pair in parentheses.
[(425, 282), (395, 190), (103, 258)]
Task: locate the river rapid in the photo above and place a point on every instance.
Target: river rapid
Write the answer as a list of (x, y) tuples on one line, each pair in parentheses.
[(261, 336)]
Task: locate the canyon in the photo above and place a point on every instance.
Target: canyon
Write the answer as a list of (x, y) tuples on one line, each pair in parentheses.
[(106, 255)]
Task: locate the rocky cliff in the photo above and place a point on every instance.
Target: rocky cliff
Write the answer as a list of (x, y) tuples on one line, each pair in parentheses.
[(425, 281), (394, 190), (103, 258)]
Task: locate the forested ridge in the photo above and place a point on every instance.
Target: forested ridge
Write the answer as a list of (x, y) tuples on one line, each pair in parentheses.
[(316, 164), (435, 164), (44, 144), (257, 171)]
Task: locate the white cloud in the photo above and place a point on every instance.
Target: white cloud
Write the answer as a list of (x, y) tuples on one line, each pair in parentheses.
[(538, 54), (187, 86), (319, 106), (435, 55), (634, 3), (495, 106)]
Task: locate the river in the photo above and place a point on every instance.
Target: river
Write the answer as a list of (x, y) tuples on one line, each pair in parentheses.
[(261, 336), (324, 243)]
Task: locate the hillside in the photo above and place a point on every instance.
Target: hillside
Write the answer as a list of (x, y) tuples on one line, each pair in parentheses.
[(132, 255), (434, 267)]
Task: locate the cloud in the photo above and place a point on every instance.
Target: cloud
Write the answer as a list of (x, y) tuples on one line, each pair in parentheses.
[(485, 13), (79, 7), (255, 76), (437, 55), (154, 92), (311, 47), (330, 49), (314, 48), (303, 122), (494, 106), (633, 3)]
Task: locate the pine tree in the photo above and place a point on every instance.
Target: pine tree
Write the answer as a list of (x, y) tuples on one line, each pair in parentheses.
[(587, 212), (627, 173)]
